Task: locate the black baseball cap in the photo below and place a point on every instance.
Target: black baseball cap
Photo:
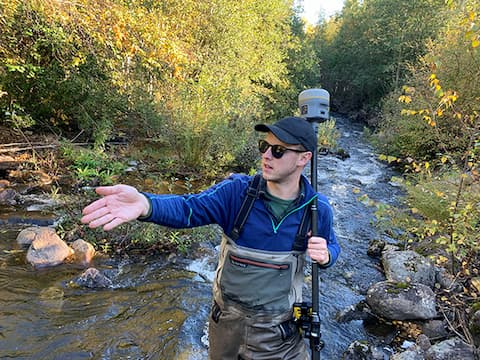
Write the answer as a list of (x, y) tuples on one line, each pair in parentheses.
[(292, 130)]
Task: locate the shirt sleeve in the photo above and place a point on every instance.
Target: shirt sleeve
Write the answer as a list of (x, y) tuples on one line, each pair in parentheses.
[(326, 230), (212, 206)]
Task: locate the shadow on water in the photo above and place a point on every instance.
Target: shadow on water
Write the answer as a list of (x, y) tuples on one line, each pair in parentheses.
[(158, 309)]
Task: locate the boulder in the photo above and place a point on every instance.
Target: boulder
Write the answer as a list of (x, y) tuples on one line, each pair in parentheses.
[(474, 327), (8, 197), (435, 329), (27, 235), (408, 266), (92, 278), (450, 349), (402, 301), (446, 280), (410, 354), (47, 249), (83, 251)]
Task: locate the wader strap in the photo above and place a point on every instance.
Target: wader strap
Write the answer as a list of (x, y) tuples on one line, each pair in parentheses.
[(303, 229), (247, 205), (252, 194)]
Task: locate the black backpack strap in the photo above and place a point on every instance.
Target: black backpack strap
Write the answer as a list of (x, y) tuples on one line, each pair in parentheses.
[(252, 195), (300, 243)]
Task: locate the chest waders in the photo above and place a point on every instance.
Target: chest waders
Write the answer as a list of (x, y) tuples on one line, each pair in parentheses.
[(262, 284)]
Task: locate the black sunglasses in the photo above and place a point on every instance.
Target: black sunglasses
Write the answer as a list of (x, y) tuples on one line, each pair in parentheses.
[(277, 150)]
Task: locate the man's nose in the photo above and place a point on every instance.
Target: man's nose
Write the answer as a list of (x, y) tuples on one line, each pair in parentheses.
[(268, 154)]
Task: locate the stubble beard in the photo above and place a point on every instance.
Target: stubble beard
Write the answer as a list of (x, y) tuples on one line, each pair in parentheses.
[(278, 178)]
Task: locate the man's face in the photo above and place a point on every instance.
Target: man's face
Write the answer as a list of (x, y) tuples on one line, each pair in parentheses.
[(289, 165)]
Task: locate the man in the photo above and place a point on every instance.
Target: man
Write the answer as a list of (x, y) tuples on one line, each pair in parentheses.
[(260, 272)]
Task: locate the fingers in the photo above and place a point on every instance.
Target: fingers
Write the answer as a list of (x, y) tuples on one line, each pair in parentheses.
[(108, 190), (94, 213), (102, 220), (98, 204), (320, 256), (113, 224), (108, 221), (99, 213), (316, 242), (318, 250)]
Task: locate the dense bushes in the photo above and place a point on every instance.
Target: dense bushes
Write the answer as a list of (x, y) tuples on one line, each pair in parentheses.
[(432, 127), (194, 74), (365, 52)]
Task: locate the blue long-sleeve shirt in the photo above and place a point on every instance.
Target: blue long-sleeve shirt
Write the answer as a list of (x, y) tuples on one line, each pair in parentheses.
[(220, 204)]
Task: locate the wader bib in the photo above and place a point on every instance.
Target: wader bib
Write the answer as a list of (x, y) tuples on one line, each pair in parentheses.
[(264, 283), (254, 292)]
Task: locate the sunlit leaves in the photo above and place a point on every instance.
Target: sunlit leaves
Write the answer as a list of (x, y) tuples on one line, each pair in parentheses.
[(388, 158), (429, 120), (405, 99), (473, 34)]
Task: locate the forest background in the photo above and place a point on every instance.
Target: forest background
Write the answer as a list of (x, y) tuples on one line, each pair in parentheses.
[(176, 87)]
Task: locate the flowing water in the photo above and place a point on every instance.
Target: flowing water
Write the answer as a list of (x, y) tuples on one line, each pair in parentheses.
[(158, 309)]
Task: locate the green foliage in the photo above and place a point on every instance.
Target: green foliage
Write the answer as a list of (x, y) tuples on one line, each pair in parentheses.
[(181, 243), (436, 116), (443, 209), (303, 70), (209, 117), (404, 137), (372, 44), (433, 127), (328, 135), (48, 79), (92, 166), (147, 236), (195, 73)]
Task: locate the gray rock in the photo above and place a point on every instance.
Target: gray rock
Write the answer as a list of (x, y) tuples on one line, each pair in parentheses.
[(446, 280), (423, 342), (92, 278), (408, 266), (401, 301), (435, 329), (451, 349), (474, 326), (410, 354), (8, 197)]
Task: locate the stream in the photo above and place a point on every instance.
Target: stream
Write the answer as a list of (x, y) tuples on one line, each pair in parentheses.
[(158, 309)]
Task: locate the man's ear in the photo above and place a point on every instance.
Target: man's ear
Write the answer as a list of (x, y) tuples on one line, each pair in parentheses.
[(305, 158)]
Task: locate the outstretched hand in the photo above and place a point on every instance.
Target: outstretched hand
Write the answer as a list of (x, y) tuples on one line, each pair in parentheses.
[(119, 204)]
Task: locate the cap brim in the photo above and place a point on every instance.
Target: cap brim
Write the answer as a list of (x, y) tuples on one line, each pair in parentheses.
[(281, 134)]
